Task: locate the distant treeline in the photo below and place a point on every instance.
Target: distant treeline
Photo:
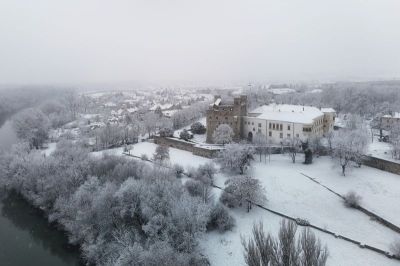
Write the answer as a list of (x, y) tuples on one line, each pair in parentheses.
[(13, 99)]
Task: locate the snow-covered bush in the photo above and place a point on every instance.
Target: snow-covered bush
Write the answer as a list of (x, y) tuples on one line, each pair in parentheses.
[(352, 200), (220, 219), (198, 128), (194, 187), (166, 132), (144, 157), (395, 248), (185, 135)]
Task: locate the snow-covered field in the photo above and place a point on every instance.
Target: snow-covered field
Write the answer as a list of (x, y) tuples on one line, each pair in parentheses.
[(295, 195), (291, 193), (184, 158), (381, 150)]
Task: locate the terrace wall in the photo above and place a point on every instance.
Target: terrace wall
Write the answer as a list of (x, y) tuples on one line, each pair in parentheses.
[(382, 164), (186, 146)]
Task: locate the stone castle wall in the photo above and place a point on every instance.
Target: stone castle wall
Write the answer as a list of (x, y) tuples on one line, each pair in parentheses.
[(230, 114)]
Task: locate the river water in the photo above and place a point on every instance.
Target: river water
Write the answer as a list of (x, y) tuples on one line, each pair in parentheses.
[(26, 238)]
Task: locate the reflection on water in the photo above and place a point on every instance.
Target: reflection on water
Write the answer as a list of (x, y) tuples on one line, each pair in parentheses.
[(26, 237)]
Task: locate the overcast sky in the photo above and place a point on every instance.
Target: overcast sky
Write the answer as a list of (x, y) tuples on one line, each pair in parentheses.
[(209, 41)]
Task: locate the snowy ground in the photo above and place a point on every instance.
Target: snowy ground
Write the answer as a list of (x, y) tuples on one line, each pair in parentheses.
[(291, 193), (184, 158), (381, 150)]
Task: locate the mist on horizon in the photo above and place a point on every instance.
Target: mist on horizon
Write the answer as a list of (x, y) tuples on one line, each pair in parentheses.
[(188, 42)]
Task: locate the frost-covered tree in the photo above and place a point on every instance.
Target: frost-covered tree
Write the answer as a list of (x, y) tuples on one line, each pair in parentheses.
[(223, 134), (236, 157), (262, 249), (32, 125), (243, 191), (166, 132), (150, 123), (349, 146), (203, 179), (161, 154)]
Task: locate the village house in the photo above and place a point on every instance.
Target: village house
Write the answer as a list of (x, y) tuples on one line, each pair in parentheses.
[(277, 123)]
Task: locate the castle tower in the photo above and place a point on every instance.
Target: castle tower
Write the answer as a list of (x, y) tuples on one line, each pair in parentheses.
[(226, 113)]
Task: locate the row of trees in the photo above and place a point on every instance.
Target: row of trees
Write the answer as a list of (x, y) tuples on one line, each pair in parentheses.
[(186, 116)]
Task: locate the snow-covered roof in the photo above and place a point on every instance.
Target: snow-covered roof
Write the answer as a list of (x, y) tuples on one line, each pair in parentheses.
[(162, 106), (394, 115), (282, 91), (287, 113), (328, 110)]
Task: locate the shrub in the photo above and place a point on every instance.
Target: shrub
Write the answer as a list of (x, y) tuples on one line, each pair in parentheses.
[(395, 248), (166, 132), (220, 219), (194, 187), (178, 170), (185, 135), (144, 157), (352, 200), (198, 128)]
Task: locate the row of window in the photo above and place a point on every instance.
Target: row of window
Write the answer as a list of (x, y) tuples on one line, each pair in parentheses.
[(281, 135), (279, 127), (216, 118)]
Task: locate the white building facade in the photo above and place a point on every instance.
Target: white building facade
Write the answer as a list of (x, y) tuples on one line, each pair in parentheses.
[(279, 124)]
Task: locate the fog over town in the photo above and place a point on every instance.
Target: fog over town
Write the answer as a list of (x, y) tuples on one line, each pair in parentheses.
[(197, 42), (258, 133)]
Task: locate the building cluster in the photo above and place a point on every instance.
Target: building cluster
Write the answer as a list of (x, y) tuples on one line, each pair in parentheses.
[(276, 123)]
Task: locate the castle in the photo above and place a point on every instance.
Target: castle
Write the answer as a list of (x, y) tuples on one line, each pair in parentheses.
[(276, 123)]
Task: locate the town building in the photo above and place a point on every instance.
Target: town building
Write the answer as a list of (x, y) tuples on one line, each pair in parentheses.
[(390, 121), (276, 122)]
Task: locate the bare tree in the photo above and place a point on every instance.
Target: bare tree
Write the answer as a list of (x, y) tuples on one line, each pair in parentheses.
[(349, 146), (265, 250), (294, 147)]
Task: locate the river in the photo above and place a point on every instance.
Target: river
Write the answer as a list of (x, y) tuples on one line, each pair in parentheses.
[(26, 238)]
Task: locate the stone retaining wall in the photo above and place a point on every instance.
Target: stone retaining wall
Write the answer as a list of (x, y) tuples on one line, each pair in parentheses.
[(186, 146), (382, 164)]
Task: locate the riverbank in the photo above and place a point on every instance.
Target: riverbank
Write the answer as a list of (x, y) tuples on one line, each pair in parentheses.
[(27, 238)]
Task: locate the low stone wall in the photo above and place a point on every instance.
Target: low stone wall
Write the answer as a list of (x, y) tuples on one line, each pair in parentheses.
[(382, 164), (186, 146)]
